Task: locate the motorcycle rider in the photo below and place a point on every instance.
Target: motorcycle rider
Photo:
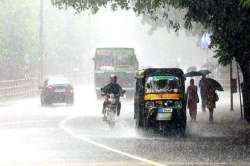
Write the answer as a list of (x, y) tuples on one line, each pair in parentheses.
[(114, 88)]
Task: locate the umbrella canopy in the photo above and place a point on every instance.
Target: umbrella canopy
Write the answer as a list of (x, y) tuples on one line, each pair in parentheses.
[(211, 83), (193, 74), (192, 68), (205, 71)]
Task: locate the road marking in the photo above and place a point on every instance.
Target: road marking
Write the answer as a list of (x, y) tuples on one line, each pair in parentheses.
[(140, 158), (104, 146), (22, 122)]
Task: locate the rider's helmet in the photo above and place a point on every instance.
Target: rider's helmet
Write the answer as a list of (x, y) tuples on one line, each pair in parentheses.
[(113, 78)]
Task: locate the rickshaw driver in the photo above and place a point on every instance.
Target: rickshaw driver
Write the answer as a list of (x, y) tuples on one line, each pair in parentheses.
[(116, 89)]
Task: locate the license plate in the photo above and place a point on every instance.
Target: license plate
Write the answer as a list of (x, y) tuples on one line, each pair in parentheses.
[(60, 90), (168, 110), (163, 116), (165, 110)]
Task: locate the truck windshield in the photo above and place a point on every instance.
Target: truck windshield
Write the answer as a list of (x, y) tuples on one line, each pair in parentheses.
[(104, 62), (123, 61), (159, 84)]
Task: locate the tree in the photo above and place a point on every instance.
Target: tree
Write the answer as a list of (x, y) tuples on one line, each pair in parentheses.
[(18, 36), (227, 20), (246, 2)]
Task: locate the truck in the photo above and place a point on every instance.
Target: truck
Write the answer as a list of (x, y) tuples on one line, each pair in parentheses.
[(119, 61)]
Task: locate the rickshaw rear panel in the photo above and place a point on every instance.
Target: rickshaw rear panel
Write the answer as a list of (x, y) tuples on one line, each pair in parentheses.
[(160, 99)]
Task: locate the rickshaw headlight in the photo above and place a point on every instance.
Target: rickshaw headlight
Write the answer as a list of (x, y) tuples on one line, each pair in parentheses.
[(178, 104), (159, 103), (149, 104)]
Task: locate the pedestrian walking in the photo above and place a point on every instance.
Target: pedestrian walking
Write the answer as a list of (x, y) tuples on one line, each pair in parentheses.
[(192, 99), (212, 98), (203, 87)]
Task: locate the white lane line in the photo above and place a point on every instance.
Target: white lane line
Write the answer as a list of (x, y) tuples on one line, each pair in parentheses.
[(22, 122), (137, 157), (104, 146)]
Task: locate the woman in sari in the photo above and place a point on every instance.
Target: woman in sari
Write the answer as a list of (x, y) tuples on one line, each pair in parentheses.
[(192, 100)]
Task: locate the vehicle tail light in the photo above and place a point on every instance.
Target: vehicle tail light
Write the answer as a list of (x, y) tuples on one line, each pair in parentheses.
[(50, 88)]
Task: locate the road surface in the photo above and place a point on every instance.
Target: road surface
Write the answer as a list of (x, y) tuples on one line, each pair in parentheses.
[(76, 135)]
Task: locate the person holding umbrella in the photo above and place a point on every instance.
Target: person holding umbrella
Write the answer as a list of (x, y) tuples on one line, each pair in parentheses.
[(192, 100), (212, 98), (202, 85), (211, 95)]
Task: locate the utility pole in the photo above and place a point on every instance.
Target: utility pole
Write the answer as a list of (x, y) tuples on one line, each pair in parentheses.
[(41, 41), (231, 88), (240, 88)]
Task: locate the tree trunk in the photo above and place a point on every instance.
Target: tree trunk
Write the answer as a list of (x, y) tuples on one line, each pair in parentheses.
[(245, 68)]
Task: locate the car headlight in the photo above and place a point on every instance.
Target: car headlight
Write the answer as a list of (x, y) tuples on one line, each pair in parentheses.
[(178, 104), (149, 104)]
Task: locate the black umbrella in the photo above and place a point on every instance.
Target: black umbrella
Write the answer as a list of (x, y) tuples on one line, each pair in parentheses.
[(192, 68), (211, 83), (205, 71), (193, 74)]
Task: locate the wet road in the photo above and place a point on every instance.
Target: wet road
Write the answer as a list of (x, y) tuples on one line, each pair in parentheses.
[(76, 135)]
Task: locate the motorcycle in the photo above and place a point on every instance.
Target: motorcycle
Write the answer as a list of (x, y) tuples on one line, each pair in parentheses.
[(111, 108)]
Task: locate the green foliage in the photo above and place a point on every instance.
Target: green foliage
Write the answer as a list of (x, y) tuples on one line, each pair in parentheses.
[(228, 20), (18, 29), (18, 36), (92, 5), (245, 3)]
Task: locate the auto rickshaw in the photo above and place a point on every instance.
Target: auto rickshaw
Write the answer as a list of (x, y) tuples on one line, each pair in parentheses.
[(159, 101)]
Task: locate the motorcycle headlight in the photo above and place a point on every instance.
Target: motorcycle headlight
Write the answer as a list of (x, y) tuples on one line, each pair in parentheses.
[(178, 104), (149, 104), (112, 100), (112, 95)]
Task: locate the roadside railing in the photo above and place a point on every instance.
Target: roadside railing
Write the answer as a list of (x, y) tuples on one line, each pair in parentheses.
[(19, 88), (30, 86)]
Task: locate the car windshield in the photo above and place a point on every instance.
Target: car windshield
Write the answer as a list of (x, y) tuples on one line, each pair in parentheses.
[(58, 80), (158, 84)]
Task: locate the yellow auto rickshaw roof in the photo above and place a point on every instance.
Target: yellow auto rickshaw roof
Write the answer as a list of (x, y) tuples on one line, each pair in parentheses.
[(141, 73)]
